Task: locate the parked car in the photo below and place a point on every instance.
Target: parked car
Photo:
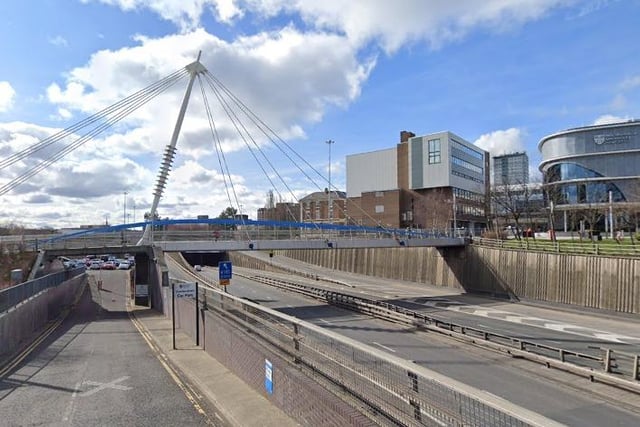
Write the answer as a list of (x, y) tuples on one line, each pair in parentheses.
[(95, 265), (198, 267), (123, 265), (108, 265)]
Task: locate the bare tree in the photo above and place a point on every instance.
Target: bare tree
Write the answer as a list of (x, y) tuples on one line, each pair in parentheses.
[(513, 202), (628, 213)]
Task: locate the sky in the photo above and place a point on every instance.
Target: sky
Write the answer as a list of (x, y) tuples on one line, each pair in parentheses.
[(500, 74)]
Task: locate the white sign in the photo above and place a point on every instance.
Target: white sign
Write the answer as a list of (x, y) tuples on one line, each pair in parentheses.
[(185, 290), (142, 290)]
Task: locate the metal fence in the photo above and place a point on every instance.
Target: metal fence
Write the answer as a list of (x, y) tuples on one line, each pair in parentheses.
[(564, 246), (405, 393), (14, 295)]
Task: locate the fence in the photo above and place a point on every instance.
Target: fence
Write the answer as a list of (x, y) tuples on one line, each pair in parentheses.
[(14, 295), (405, 393), (568, 247)]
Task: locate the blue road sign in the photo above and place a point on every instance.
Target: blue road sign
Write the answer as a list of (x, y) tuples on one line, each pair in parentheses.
[(268, 376), (224, 270)]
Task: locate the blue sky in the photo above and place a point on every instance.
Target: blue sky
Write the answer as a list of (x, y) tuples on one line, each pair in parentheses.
[(499, 75)]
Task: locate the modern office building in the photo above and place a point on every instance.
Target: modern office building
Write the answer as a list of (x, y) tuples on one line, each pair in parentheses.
[(510, 169), (430, 181), (592, 167)]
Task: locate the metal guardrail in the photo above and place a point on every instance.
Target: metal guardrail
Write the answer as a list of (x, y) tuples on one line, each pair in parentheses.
[(10, 297), (611, 367), (407, 394), (568, 247)]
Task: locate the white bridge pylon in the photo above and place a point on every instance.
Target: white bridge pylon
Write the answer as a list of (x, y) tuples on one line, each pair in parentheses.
[(194, 69)]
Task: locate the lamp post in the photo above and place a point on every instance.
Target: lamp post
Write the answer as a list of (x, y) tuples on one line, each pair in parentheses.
[(329, 207), (455, 217), (124, 219), (124, 209)]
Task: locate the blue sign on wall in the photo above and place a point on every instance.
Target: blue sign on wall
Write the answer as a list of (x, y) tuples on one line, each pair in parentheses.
[(224, 270), (268, 376)]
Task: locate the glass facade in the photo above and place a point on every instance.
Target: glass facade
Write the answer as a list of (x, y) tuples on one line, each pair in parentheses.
[(586, 191), (584, 165)]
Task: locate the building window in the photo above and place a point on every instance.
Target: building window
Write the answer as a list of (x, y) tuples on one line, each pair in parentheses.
[(379, 208), (434, 151)]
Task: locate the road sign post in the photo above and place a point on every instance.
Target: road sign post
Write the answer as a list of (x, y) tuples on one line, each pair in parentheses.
[(224, 273)]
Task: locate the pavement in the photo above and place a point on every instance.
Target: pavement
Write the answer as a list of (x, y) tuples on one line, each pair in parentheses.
[(202, 376)]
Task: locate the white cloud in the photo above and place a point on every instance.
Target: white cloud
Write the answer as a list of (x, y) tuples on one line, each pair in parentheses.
[(277, 74), (391, 24), (7, 96), (184, 13), (631, 83), (502, 141), (609, 118), (58, 41)]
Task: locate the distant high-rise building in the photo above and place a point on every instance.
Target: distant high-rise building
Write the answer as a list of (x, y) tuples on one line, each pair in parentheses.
[(510, 169)]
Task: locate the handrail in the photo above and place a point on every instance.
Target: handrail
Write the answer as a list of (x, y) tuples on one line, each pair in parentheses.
[(11, 297), (592, 366), (568, 247), (407, 393)]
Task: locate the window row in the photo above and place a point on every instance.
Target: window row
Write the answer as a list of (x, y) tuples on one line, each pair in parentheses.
[(467, 150), (468, 195), (469, 177), (466, 165)]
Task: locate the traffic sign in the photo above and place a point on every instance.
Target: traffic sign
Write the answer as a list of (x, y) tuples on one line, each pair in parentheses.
[(224, 282), (185, 290), (224, 270)]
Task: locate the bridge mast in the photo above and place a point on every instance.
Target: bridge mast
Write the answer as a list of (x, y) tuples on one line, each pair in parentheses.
[(194, 69)]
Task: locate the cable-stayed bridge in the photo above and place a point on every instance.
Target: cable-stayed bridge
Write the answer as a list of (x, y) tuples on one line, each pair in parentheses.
[(228, 119)]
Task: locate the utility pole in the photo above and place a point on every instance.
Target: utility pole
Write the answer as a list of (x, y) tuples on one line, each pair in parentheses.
[(455, 218), (124, 209), (329, 207)]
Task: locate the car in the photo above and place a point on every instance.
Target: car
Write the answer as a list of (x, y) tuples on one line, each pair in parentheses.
[(198, 267), (123, 265), (95, 265), (108, 265)]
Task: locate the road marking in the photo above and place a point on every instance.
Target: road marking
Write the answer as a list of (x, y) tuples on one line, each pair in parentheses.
[(325, 321), (383, 346), (538, 322), (72, 403), (103, 386), (186, 388)]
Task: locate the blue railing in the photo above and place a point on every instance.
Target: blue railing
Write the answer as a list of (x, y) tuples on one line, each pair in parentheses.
[(14, 295)]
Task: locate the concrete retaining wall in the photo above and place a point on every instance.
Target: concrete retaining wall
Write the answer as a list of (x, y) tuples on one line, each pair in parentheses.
[(19, 326), (607, 283)]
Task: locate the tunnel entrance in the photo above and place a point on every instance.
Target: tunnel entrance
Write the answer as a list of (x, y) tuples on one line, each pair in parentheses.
[(205, 258)]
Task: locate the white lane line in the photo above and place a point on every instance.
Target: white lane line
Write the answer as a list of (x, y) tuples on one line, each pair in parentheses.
[(567, 328), (383, 346), (72, 402), (325, 321)]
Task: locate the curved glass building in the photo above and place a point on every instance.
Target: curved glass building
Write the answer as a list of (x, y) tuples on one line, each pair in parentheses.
[(586, 166)]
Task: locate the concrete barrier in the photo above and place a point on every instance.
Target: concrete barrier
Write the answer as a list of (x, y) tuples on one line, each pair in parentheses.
[(608, 283), (19, 326)]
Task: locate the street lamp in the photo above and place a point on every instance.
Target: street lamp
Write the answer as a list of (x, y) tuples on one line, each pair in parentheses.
[(329, 207), (124, 209)]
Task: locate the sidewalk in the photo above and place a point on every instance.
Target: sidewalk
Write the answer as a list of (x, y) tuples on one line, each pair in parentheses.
[(238, 403)]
